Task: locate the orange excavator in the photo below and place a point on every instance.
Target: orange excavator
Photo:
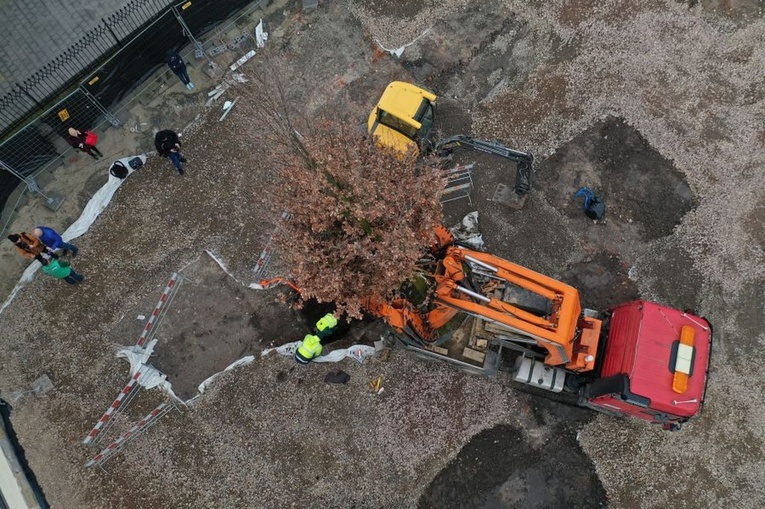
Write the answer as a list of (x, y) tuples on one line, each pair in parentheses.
[(482, 312)]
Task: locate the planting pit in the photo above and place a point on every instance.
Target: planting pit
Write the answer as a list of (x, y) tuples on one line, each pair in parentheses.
[(212, 321)]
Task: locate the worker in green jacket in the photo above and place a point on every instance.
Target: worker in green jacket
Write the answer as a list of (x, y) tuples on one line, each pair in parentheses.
[(326, 325), (309, 350), (60, 269)]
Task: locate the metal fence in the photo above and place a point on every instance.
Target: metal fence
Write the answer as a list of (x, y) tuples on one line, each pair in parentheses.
[(111, 84), (29, 95)]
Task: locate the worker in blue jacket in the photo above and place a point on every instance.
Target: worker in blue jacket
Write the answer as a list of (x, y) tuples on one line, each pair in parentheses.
[(53, 240)]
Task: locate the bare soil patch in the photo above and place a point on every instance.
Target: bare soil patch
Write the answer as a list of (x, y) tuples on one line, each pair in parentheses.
[(214, 321), (503, 467), (645, 196), (643, 191)]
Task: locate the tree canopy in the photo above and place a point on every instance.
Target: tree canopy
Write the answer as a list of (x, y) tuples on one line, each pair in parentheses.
[(359, 217)]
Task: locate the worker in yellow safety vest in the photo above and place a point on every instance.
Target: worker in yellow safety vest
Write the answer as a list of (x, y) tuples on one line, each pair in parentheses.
[(326, 325), (310, 349)]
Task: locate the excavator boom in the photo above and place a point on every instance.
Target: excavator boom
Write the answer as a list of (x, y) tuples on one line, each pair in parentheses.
[(523, 160), (559, 331), (555, 332)]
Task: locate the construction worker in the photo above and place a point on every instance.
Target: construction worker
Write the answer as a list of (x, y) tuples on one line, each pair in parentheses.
[(29, 246), (594, 206), (309, 350), (326, 325), (53, 240)]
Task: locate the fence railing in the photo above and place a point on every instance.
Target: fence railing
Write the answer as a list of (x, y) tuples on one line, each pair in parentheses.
[(34, 92), (115, 82)]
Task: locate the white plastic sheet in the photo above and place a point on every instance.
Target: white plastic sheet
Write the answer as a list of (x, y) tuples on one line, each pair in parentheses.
[(136, 355), (467, 231), (137, 358), (261, 36), (241, 362), (355, 352), (98, 203), (400, 51), (94, 207)]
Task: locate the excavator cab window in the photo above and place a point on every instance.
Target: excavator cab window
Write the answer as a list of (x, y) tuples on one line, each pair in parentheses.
[(396, 123), (425, 116)]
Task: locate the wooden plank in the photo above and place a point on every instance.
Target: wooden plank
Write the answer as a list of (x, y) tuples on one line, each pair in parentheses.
[(496, 329), (437, 349), (474, 355)]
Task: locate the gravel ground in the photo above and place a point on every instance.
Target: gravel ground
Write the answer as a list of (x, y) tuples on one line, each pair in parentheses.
[(688, 79), (691, 82)]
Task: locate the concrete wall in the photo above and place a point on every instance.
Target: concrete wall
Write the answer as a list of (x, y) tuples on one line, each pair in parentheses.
[(14, 486)]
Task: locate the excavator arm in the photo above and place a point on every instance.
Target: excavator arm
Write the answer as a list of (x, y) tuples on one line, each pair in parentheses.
[(568, 338), (523, 159), (555, 332)]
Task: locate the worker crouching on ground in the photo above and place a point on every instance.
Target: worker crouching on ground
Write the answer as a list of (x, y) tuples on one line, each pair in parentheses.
[(326, 326), (308, 350)]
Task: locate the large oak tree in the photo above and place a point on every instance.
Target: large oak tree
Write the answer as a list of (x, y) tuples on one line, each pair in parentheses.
[(359, 215)]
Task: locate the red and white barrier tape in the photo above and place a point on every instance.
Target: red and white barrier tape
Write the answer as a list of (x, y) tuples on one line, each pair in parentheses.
[(130, 387), (115, 446), (157, 310), (265, 256)]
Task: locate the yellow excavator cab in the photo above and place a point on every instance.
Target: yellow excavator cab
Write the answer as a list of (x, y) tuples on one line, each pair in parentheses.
[(403, 117)]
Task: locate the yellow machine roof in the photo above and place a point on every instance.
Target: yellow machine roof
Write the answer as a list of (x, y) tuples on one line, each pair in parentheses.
[(402, 100)]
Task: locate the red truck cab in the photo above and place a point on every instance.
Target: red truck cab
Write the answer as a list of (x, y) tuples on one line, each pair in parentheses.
[(654, 364)]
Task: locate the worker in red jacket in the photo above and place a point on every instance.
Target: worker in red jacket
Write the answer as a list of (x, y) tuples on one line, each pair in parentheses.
[(82, 141)]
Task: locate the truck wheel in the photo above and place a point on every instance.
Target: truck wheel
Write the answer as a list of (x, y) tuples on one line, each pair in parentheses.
[(572, 383)]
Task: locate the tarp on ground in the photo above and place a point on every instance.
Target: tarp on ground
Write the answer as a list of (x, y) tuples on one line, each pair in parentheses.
[(92, 210)]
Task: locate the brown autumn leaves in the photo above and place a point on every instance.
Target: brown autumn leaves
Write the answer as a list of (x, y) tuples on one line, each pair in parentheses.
[(359, 215)]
